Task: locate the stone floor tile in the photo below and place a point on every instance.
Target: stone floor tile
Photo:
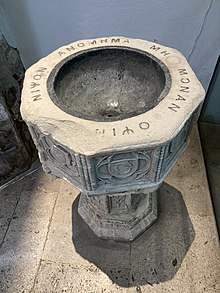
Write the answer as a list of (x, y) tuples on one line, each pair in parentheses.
[(22, 248), (169, 261), (70, 240), (189, 177), (57, 277), (158, 253), (41, 182), (179, 253), (203, 259), (9, 197)]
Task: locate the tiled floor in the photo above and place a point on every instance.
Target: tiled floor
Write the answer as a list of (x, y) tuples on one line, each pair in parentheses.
[(46, 247)]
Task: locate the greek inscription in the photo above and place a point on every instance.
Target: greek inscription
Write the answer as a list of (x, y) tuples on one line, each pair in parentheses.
[(115, 40), (98, 131), (61, 53), (180, 98), (114, 132), (127, 131), (80, 45), (165, 53), (71, 48), (144, 125), (182, 71), (94, 42), (184, 89), (42, 69), (174, 107), (104, 41), (155, 48), (37, 76), (34, 84), (37, 98), (185, 80), (35, 91)]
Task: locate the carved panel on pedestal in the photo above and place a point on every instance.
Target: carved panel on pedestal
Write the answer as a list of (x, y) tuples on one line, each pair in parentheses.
[(124, 168), (119, 203), (173, 149), (55, 158)]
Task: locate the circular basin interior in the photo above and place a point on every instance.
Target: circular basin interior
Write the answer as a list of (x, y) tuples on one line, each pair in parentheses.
[(108, 84)]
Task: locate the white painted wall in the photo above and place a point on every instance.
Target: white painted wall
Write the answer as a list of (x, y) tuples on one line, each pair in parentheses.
[(192, 27)]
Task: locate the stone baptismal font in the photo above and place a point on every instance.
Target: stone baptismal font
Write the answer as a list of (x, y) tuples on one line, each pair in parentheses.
[(112, 116)]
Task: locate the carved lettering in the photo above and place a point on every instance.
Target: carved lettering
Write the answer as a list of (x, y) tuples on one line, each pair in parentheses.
[(182, 71), (80, 45), (42, 69), (184, 89), (185, 80), (37, 98), (144, 125), (115, 40), (35, 91), (180, 98), (71, 48), (114, 132), (165, 53), (174, 107), (37, 77), (125, 41), (93, 42), (155, 48), (104, 41), (61, 53), (98, 131), (127, 131), (33, 84)]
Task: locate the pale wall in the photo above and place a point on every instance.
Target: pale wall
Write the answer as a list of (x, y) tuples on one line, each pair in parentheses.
[(40, 26)]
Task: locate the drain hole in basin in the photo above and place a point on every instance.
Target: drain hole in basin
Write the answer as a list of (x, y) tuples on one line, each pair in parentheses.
[(109, 113)]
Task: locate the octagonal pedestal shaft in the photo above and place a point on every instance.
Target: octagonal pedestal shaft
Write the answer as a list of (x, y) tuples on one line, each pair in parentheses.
[(121, 216)]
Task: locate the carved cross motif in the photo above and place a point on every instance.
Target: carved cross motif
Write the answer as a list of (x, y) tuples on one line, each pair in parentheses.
[(123, 167)]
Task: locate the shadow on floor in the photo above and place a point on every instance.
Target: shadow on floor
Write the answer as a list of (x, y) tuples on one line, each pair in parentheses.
[(210, 139), (154, 257)]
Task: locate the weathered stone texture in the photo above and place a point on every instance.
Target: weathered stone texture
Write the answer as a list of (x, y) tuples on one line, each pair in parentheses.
[(16, 147), (99, 121)]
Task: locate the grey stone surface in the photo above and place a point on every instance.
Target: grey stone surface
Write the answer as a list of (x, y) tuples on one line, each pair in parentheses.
[(9, 198), (16, 144), (122, 216), (158, 254), (74, 242), (23, 244), (112, 85), (54, 277), (180, 253), (38, 182), (113, 172), (192, 184), (109, 84)]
